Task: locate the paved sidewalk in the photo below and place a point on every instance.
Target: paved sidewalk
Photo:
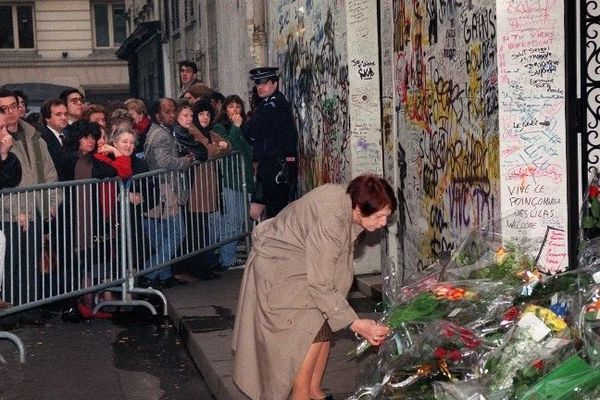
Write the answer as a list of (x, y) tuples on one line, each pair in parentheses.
[(203, 314)]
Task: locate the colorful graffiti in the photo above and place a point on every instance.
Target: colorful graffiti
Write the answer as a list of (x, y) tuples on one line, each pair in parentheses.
[(310, 51), (447, 124)]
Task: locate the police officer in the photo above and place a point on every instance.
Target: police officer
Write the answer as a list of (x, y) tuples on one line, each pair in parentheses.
[(274, 140)]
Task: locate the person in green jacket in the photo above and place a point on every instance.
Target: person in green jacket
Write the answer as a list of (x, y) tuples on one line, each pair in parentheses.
[(229, 122)]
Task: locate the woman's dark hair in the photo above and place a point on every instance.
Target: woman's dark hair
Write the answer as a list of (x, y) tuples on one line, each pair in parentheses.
[(203, 105), (223, 119), (80, 129), (370, 194)]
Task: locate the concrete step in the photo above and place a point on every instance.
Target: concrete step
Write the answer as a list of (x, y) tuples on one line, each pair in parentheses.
[(369, 285)]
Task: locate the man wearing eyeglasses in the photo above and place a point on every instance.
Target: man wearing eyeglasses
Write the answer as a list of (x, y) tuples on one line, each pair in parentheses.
[(74, 100), (22, 215)]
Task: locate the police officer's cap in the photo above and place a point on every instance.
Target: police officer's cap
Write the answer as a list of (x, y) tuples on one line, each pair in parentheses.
[(262, 74)]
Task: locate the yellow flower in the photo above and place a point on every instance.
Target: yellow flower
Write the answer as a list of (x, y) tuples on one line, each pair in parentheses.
[(501, 254)]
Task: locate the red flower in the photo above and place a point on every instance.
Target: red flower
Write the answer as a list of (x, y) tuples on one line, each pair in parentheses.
[(511, 314), (448, 331), (593, 192), (454, 355), (538, 364), (440, 353), (470, 341)]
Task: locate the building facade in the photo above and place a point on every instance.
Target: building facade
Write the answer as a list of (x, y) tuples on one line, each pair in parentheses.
[(462, 105), (65, 43), (224, 38)]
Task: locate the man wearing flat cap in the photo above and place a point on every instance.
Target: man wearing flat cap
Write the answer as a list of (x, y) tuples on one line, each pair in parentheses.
[(274, 140)]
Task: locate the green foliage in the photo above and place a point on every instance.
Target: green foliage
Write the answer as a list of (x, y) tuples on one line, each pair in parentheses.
[(425, 307)]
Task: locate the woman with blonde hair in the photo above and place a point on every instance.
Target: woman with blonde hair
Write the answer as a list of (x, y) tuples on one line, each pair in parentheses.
[(141, 121)]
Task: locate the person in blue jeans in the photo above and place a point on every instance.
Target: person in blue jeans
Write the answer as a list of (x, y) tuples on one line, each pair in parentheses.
[(229, 126), (163, 224), (165, 236)]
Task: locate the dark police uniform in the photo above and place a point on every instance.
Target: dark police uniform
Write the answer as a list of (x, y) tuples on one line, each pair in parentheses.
[(274, 140)]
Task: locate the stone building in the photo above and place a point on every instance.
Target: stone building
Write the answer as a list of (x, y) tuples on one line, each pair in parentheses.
[(225, 39), (63, 43)]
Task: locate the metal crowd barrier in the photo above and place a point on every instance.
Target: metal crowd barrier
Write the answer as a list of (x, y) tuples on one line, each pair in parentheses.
[(67, 239)]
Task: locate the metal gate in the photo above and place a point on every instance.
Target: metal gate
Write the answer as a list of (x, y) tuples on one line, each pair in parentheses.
[(582, 55), (588, 80)]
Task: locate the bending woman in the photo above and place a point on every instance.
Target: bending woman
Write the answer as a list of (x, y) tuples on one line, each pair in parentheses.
[(294, 289)]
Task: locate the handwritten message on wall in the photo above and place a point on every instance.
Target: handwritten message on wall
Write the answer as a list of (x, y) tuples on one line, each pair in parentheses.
[(363, 77), (531, 69)]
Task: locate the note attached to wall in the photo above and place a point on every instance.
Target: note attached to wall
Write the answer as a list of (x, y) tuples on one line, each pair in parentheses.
[(553, 252)]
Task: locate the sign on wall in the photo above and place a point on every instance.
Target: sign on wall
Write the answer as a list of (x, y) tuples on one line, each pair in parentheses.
[(531, 81)]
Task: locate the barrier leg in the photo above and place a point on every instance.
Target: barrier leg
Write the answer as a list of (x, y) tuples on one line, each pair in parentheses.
[(17, 342), (126, 301), (151, 291)]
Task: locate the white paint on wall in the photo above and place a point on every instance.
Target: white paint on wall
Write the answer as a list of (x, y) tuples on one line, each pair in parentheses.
[(531, 82), (364, 95)]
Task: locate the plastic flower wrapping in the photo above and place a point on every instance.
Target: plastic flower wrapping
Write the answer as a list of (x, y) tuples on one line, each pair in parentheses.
[(590, 212), (490, 325)]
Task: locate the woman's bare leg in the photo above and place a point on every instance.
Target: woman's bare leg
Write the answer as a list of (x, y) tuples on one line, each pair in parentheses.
[(301, 388), (319, 371)]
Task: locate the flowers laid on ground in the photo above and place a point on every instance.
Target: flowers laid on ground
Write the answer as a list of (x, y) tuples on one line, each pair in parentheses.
[(491, 326), (590, 221)]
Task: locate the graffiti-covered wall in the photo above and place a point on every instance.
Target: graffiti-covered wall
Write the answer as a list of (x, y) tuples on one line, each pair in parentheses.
[(307, 41), (446, 119)]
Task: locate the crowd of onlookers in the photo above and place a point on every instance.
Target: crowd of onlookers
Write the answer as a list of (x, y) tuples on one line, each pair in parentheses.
[(61, 241), (71, 139)]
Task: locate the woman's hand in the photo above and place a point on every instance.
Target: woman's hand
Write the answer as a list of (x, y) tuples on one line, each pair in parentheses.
[(370, 330), (6, 143), (135, 198), (236, 119), (108, 149)]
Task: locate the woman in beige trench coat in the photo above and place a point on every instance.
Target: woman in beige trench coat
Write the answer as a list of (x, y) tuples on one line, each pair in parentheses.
[(295, 285)]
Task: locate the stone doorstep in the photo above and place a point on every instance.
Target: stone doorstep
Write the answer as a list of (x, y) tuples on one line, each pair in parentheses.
[(369, 285)]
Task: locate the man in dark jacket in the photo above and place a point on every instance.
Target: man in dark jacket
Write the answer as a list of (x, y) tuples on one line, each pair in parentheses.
[(54, 115), (274, 138)]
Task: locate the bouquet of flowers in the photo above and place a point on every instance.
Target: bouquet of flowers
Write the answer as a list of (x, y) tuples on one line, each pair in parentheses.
[(590, 214), (442, 352), (537, 334), (471, 303), (590, 326), (489, 255), (572, 379)]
